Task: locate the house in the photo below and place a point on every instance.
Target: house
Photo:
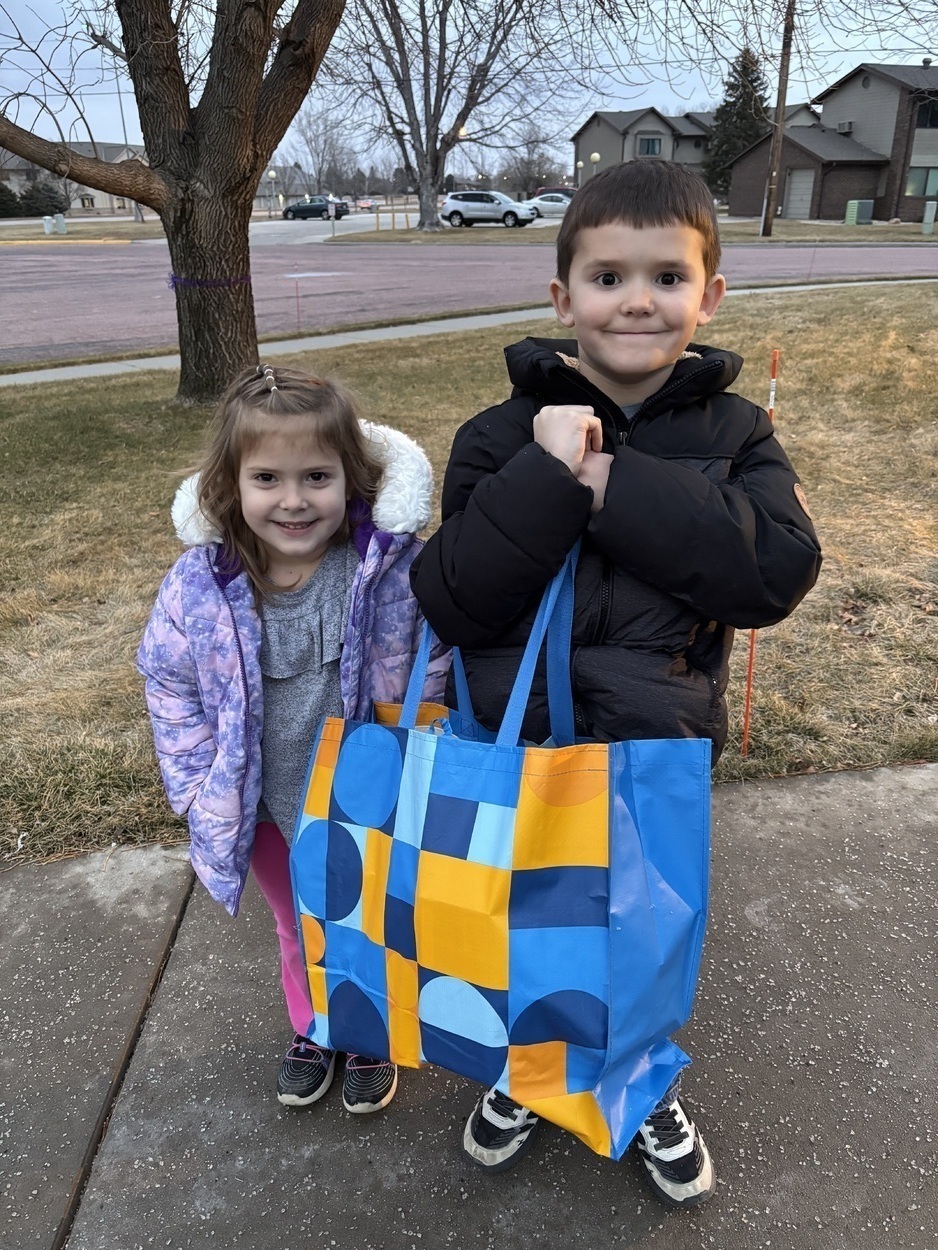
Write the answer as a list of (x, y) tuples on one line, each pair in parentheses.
[(646, 133), (877, 140), (19, 173), (640, 133)]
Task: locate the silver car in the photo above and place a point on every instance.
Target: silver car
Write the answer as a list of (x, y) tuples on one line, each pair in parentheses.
[(550, 204), (465, 208)]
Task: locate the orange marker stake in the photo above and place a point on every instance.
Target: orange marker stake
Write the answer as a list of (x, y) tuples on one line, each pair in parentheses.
[(750, 667)]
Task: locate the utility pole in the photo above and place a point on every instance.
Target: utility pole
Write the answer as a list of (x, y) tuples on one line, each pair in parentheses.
[(770, 202)]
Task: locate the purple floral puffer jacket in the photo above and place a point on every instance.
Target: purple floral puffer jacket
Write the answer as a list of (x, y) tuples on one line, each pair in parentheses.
[(200, 657)]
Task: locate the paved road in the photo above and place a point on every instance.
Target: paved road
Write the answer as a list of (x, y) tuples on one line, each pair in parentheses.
[(60, 302)]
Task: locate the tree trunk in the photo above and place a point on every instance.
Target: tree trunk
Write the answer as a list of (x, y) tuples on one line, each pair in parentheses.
[(427, 192), (211, 279)]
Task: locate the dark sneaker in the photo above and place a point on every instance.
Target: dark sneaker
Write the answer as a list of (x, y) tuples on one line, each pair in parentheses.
[(305, 1074), (369, 1084), (677, 1163), (499, 1132)]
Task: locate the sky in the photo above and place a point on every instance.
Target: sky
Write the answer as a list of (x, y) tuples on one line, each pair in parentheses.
[(111, 112)]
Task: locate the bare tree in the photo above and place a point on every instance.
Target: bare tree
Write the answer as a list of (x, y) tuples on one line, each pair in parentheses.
[(216, 88), (529, 165), (435, 72), (319, 142)]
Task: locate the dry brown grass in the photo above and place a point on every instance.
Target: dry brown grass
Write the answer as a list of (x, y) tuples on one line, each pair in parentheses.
[(87, 473), (819, 232), (83, 230)]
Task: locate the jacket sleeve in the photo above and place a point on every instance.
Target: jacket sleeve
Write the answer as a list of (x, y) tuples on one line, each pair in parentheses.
[(506, 531), (184, 744), (741, 551)]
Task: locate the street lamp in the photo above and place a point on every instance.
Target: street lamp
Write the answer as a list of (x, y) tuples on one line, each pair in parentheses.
[(272, 175), (595, 158), (579, 172)]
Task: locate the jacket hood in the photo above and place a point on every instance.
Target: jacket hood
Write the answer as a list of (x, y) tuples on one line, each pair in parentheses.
[(402, 505), (551, 366)]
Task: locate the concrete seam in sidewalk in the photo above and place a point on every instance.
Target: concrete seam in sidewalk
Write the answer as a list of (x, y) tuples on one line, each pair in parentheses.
[(99, 1131)]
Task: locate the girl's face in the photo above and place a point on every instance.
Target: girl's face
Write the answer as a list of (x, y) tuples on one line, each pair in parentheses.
[(293, 497)]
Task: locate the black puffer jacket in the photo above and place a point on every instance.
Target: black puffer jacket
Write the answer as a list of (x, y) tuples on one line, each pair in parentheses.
[(701, 531)]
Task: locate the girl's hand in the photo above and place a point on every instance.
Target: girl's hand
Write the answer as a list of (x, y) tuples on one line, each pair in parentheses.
[(568, 431), (594, 473)]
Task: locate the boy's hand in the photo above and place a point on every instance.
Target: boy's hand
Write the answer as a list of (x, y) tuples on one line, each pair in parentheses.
[(568, 431), (594, 472)]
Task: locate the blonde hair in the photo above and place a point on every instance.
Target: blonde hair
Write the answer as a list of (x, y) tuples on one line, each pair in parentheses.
[(265, 399)]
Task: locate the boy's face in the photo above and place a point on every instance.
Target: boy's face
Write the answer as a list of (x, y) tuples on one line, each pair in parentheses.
[(635, 296)]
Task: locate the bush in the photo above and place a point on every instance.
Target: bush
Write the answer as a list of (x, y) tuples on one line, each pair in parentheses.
[(43, 199), (9, 202)]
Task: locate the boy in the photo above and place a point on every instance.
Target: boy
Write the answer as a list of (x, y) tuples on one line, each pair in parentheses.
[(692, 520)]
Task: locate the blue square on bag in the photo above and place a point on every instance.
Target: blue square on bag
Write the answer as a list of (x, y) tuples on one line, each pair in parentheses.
[(448, 825), (547, 898), (402, 871), (399, 934)]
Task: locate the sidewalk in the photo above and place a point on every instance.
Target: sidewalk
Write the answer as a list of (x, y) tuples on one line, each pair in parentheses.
[(813, 1038), (325, 342)]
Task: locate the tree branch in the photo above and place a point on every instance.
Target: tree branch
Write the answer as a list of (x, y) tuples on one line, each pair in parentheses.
[(130, 178)]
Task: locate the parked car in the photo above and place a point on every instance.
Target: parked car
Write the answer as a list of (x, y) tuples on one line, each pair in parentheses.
[(465, 208), (551, 204), (569, 192), (366, 203), (316, 206)]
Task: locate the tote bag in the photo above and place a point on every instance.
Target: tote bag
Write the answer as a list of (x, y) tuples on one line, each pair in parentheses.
[(528, 917)]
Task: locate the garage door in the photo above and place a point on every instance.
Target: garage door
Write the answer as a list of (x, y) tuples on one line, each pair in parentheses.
[(798, 188)]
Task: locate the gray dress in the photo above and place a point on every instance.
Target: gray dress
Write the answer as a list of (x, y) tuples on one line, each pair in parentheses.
[(301, 641)]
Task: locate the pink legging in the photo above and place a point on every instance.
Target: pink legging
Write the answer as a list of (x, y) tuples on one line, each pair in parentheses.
[(270, 863)]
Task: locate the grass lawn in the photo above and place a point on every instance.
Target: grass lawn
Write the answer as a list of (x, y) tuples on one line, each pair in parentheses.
[(730, 232), (88, 471)]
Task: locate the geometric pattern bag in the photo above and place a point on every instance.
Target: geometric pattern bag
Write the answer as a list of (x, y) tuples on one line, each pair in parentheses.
[(530, 917)]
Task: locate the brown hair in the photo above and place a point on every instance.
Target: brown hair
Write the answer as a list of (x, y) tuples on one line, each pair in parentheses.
[(264, 399), (641, 193)]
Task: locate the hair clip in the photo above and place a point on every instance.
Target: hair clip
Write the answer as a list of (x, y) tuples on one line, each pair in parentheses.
[(267, 373)]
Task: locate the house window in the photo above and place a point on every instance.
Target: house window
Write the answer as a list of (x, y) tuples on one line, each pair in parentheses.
[(922, 180), (927, 118), (649, 147), (87, 201)]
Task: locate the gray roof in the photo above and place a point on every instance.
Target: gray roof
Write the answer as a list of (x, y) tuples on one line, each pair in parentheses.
[(692, 125), (918, 77), (827, 145), (621, 121), (108, 151), (704, 120)]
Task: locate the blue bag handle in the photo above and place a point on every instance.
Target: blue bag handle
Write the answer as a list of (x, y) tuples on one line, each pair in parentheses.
[(554, 619), (559, 635)]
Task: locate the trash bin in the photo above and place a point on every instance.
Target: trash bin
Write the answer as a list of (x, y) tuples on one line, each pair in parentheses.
[(928, 218), (47, 224), (58, 223)]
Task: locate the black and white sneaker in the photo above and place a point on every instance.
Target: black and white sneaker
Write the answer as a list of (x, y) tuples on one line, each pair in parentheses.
[(369, 1084), (305, 1073), (677, 1163), (499, 1132)]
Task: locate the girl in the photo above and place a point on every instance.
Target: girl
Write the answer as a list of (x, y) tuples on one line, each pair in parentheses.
[(292, 603)]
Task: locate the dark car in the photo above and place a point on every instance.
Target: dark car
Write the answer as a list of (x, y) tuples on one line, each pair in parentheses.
[(569, 192), (316, 206)]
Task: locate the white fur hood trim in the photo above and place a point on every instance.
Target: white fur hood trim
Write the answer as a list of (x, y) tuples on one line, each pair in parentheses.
[(402, 506)]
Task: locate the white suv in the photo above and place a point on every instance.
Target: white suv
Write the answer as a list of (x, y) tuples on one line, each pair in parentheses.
[(465, 208)]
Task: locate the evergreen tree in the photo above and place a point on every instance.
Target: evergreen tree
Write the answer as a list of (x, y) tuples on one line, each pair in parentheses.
[(43, 199), (740, 120), (9, 202)]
